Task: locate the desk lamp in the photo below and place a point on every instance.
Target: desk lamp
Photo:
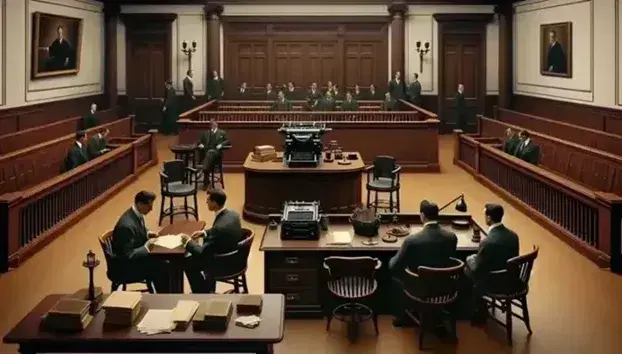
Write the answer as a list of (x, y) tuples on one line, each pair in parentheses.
[(460, 206), (91, 263)]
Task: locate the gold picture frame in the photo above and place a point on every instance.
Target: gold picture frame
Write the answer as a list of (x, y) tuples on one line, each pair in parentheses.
[(56, 45), (556, 49)]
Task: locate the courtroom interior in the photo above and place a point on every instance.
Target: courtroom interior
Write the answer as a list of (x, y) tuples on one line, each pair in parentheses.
[(328, 176)]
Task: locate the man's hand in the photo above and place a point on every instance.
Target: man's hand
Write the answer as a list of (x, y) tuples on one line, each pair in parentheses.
[(150, 243), (197, 234), (151, 234), (184, 239), (163, 109), (201, 146), (194, 98), (219, 146)]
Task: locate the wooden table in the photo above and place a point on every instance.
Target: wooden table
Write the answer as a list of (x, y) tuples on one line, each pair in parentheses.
[(97, 338), (294, 268), (176, 256), (267, 185)]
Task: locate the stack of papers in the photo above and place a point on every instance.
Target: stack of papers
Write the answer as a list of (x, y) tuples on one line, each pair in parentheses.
[(156, 322), (169, 241), (340, 238), (248, 321), (184, 312)]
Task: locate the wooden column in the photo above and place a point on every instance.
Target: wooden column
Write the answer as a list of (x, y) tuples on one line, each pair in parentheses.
[(212, 15), (397, 11), (111, 17), (506, 55)]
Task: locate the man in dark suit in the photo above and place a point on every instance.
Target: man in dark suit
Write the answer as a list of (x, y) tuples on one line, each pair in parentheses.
[(269, 95), (326, 104), (527, 150), (313, 96), (243, 91), (330, 88), (414, 91), (211, 142), (188, 91), (222, 237), (494, 251), (98, 143), (555, 56), (291, 94), (90, 120), (349, 104), (461, 109), (373, 94), (215, 87), (131, 242), (510, 141), (397, 87), (389, 103), (430, 247), (61, 56), (169, 110), (77, 154), (282, 104), (357, 94)]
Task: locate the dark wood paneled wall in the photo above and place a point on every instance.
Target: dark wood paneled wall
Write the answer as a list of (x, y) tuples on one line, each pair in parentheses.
[(601, 118)]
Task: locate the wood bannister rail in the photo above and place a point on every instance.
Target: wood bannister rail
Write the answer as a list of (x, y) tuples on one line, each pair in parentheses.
[(24, 139), (193, 113), (593, 138), (306, 116), (583, 218), (32, 218), (424, 113)]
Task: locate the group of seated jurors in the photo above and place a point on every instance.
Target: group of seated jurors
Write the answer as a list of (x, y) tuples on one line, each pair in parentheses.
[(84, 150), (521, 146), (131, 243)]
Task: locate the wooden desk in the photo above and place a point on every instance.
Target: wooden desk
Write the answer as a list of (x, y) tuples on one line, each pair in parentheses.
[(99, 339), (176, 256), (294, 268), (267, 185)]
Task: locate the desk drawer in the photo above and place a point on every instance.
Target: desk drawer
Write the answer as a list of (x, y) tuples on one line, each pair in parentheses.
[(285, 278), (288, 260), (299, 297)]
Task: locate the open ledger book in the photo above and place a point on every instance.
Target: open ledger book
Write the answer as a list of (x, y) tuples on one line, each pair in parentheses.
[(169, 241)]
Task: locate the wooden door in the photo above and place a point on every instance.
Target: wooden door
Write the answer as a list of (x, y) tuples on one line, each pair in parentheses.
[(462, 64)]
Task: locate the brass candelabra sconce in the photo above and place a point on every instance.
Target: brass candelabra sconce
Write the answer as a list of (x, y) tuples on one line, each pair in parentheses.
[(422, 52), (188, 51)]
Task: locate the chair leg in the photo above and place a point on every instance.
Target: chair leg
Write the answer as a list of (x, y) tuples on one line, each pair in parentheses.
[(422, 328), (368, 199), (161, 210), (376, 202), (186, 207), (507, 305), (391, 202), (113, 287), (222, 177), (236, 286), (150, 287), (523, 302), (124, 287), (397, 197), (171, 206), (196, 207), (244, 284)]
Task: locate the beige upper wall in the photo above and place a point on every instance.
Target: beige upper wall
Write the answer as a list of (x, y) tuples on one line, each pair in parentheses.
[(17, 88), (190, 25), (596, 77)]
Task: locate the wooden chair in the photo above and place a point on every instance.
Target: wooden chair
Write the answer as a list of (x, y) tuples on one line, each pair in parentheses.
[(216, 174), (508, 288), (383, 176), (116, 271), (432, 292), (351, 281), (230, 268), (178, 181)]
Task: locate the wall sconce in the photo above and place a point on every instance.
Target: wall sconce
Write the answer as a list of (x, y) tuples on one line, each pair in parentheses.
[(189, 51), (422, 51)]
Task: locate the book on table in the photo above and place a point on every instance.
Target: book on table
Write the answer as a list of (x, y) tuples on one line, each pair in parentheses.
[(122, 308), (250, 304), (213, 315), (67, 314)]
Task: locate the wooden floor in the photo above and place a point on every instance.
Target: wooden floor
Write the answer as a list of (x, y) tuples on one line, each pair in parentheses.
[(575, 307)]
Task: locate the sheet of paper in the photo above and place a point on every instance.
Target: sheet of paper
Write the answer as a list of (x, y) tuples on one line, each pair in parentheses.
[(157, 321), (169, 241), (340, 238)]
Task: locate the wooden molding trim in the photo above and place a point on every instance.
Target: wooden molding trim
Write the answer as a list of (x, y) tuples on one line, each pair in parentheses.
[(305, 19), (482, 18), (141, 19)]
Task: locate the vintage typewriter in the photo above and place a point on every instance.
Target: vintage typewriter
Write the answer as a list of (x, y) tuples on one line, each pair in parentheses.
[(303, 144), (300, 221)]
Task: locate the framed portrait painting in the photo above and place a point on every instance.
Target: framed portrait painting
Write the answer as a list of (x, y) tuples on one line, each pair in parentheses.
[(556, 49), (56, 44)]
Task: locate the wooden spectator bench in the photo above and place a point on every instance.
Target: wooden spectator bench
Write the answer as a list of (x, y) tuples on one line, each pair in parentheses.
[(33, 217), (39, 163), (29, 137), (594, 138), (588, 220), (594, 169)]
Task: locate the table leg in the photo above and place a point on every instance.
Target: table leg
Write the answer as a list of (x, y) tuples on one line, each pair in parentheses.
[(176, 277), (268, 349)]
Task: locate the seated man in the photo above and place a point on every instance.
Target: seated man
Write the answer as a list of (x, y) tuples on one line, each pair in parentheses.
[(500, 245), (212, 142), (90, 120), (313, 96), (510, 141), (373, 94), (389, 104), (349, 104), (291, 93), (98, 143), (327, 103), (222, 237), (77, 155), (131, 242), (282, 104), (270, 95), (526, 149), (430, 247)]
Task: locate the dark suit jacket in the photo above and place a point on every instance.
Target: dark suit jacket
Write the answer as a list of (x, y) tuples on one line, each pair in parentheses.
[(89, 121), (349, 106), (414, 93), (500, 245), (188, 88), (326, 105), (358, 95), (510, 144), (284, 106), (430, 247), (215, 88), (313, 98), (75, 157), (397, 89), (95, 145), (292, 95), (211, 140), (389, 105), (222, 237), (529, 153), (129, 237), (374, 96), (170, 99), (243, 95), (556, 58), (270, 96)]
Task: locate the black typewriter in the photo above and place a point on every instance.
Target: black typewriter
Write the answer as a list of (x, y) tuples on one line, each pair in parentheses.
[(300, 221), (303, 143)]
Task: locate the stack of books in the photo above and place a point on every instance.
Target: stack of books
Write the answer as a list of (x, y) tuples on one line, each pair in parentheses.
[(83, 294), (67, 315), (250, 304), (183, 313), (122, 308), (264, 153), (213, 315)]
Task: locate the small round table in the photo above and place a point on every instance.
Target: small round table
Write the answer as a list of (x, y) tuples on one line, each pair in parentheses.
[(185, 152)]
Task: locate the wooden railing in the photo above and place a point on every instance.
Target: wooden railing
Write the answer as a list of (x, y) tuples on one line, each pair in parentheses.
[(193, 114), (595, 169), (593, 138), (305, 116), (28, 167), (26, 138), (297, 105), (32, 218), (583, 218)]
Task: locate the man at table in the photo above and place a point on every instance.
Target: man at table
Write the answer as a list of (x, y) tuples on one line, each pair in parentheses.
[(222, 237), (212, 142), (131, 242), (500, 245), (430, 247), (98, 143)]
